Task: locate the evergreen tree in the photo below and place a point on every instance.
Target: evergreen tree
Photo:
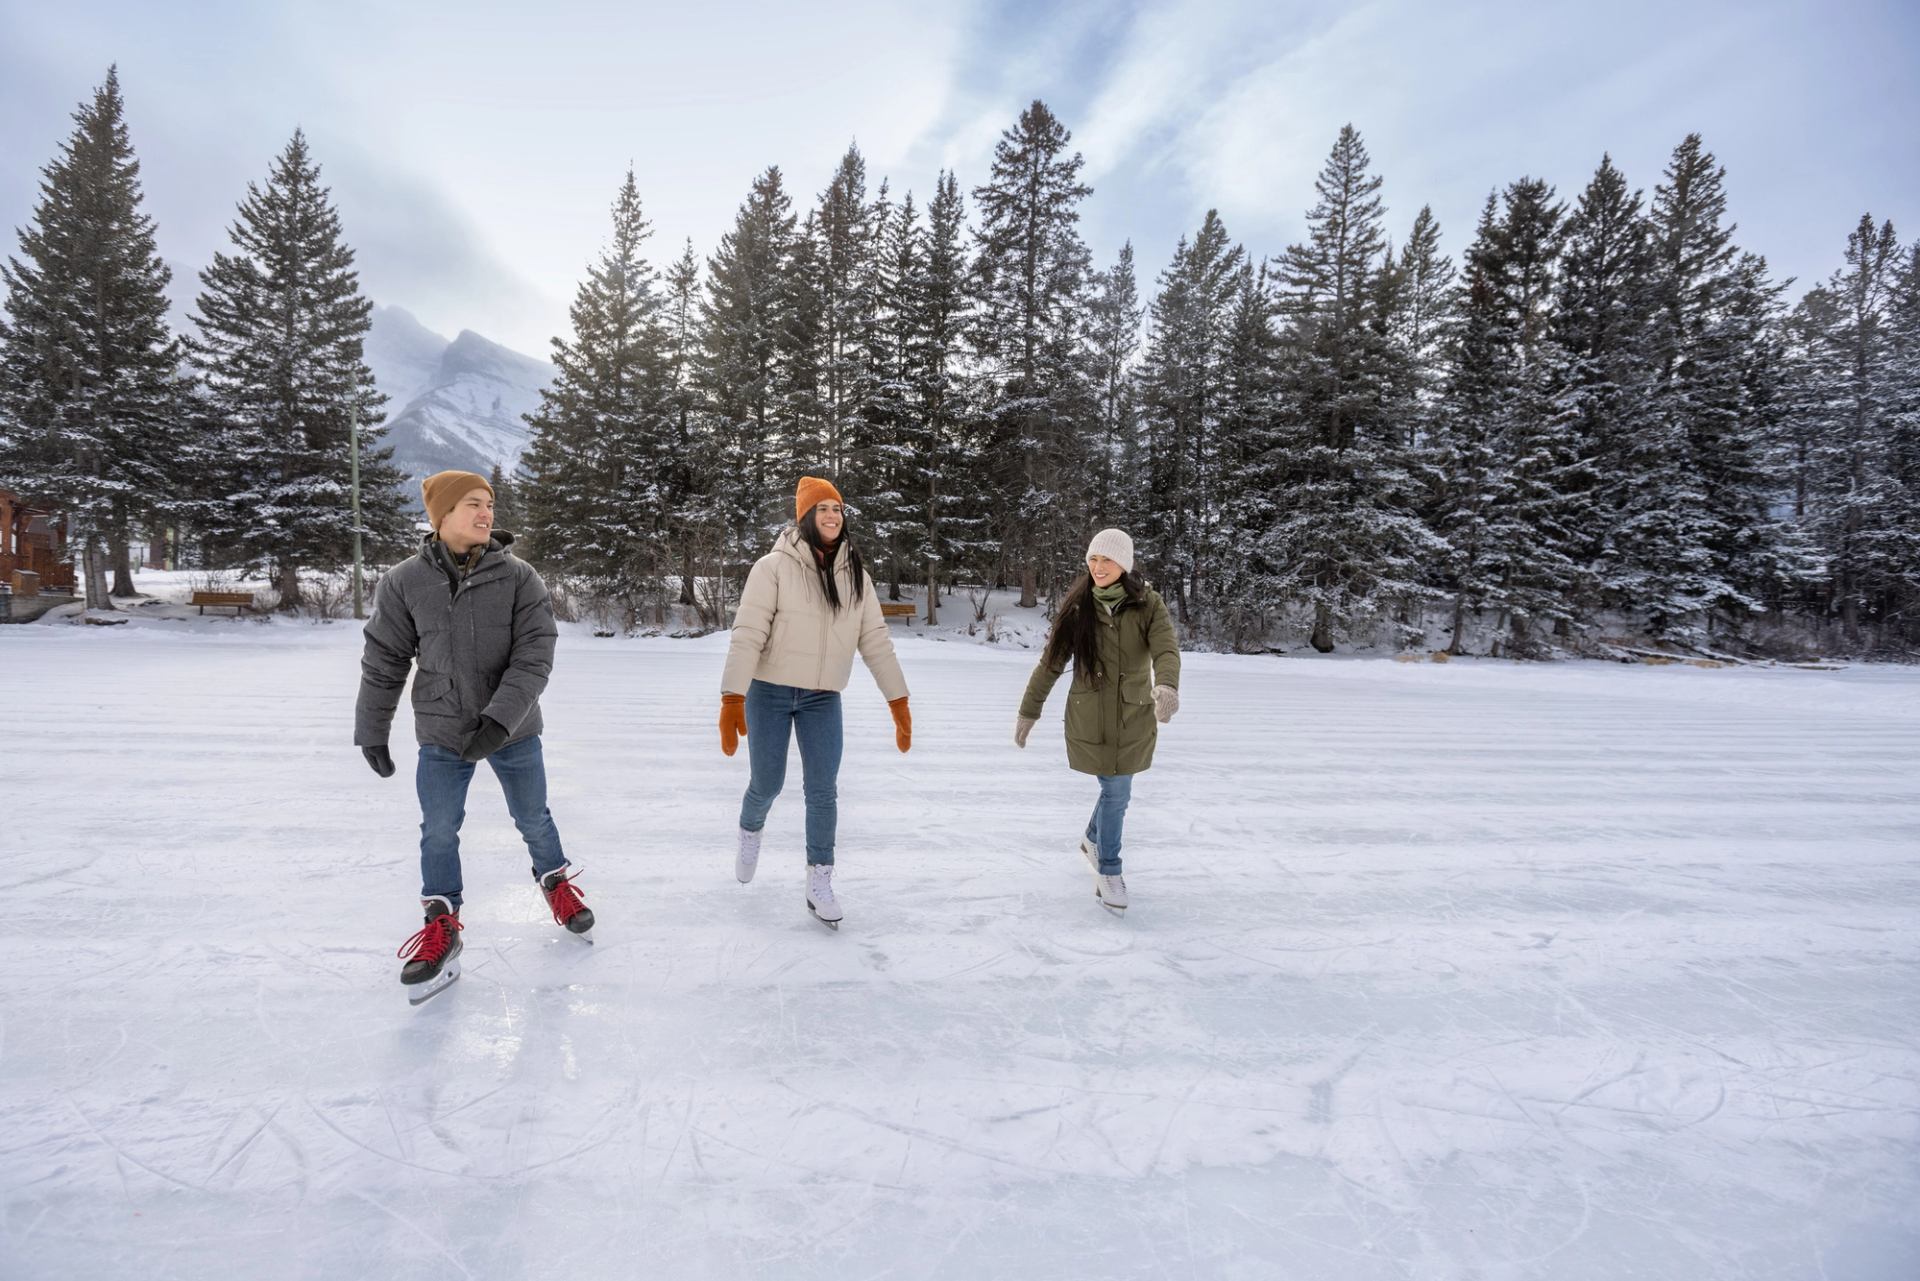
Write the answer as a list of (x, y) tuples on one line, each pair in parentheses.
[(280, 325), (1114, 314), (897, 452), (958, 524), (1506, 455), (506, 500), (86, 361), (602, 488), (850, 232), (1700, 550), (1250, 495), (688, 477), (1030, 272), (1852, 394), (1347, 542), (743, 337), (1180, 401), (1606, 386)]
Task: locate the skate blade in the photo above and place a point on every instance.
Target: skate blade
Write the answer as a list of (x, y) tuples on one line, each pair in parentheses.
[(421, 993), (832, 925), (1116, 909)]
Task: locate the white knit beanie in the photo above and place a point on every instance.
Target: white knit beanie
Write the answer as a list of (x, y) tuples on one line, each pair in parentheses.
[(1115, 545)]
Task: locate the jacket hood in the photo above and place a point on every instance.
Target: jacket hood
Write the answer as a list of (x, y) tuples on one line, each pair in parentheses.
[(790, 542)]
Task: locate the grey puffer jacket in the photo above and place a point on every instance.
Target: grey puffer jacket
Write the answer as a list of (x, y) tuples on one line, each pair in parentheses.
[(484, 641)]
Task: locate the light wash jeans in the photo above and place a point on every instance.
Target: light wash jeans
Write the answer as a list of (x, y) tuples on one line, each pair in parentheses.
[(776, 714), (1109, 816)]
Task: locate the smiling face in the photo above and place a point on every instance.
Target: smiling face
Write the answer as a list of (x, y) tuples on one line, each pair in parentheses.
[(829, 518), (469, 524), (1105, 572)]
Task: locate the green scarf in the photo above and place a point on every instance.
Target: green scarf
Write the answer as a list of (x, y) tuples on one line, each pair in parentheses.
[(1110, 596)]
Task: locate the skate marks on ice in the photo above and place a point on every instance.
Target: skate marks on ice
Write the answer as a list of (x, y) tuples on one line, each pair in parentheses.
[(1570, 976)]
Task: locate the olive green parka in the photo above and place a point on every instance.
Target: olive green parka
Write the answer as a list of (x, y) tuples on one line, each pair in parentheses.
[(1110, 723)]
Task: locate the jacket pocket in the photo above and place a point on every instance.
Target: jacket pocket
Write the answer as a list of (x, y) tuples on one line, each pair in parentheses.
[(1083, 715), (1136, 689), (431, 691)]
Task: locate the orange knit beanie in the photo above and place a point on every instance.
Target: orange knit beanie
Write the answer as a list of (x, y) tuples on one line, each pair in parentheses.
[(812, 492), (442, 490)]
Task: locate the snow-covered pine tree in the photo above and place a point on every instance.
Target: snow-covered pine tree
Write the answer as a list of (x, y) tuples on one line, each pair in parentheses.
[(849, 231), (1114, 314), (1605, 388), (743, 329), (1419, 322), (800, 359), (280, 323), (1850, 395), (600, 498), (1030, 270), (1347, 543), (959, 526), (87, 366), (688, 475), (1180, 405), (1903, 453), (896, 454), (1687, 558), (1546, 471), (507, 510), (1249, 494)]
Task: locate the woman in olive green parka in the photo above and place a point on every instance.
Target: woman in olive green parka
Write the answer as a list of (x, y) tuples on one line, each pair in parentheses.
[(1116, 633)]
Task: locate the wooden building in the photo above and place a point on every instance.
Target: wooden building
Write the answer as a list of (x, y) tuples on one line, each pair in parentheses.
[(35, 541)]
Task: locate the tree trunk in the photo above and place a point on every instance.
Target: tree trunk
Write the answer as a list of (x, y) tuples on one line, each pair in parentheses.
[(1029, 585), (1322, 637), (96, 571), (1459, 626), (287, 578), (117, 542), (686, 576), (933, 595)]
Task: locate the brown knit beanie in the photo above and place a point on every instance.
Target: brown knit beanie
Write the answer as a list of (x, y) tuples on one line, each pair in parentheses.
[(442, 490), (811, 493)]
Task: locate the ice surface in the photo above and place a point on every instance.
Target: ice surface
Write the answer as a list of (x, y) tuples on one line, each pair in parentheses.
[(1462, 971)]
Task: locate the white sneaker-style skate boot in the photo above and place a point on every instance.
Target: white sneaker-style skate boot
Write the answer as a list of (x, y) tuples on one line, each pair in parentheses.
[(1090, 852), (747, 858), (820, 900), (1111, 891)]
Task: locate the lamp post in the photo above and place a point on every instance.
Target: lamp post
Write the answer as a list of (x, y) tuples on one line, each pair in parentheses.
[(359, 599)]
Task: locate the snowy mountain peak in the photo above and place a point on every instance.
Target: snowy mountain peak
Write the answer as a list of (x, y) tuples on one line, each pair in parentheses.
[(455, 404)]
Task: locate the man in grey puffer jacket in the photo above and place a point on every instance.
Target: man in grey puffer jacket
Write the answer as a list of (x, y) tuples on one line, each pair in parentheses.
[(478, 622)]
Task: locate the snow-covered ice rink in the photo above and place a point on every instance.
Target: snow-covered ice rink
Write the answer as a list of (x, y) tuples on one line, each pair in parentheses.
[(1473, 970)]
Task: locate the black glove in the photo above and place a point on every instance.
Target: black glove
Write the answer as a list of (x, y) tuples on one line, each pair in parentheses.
[(488, 739), (380, 759)]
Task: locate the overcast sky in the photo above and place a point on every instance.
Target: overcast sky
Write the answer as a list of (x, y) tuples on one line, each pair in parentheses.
[(473, 149)]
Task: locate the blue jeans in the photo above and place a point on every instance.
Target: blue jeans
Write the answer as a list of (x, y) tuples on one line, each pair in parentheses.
[(1109, 816), (776, 713), (442, 779)]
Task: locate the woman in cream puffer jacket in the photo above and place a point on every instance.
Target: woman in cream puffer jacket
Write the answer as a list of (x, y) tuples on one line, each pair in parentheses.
[(807, 606)]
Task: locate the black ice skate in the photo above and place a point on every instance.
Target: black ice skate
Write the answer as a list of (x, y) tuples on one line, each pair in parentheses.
[(433, 954), (563, 900)]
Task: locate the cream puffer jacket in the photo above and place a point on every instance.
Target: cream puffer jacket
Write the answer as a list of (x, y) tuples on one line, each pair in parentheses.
[(785, 632)]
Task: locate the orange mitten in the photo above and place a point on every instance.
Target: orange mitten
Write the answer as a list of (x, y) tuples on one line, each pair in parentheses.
[(902, 723), (733, 721)]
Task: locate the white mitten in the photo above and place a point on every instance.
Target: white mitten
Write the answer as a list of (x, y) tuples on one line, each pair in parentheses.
[(1022, 726), (1166, 701)]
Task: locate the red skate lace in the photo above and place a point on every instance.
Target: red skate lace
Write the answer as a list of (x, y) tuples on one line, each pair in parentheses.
[(564, 899), (432, 940)]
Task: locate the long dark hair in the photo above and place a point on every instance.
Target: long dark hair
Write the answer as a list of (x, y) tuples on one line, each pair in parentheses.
[(1076, 628), (824, 557)]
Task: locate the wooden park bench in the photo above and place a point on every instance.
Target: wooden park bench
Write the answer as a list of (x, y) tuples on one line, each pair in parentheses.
[(899, 609), (239, 602)]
